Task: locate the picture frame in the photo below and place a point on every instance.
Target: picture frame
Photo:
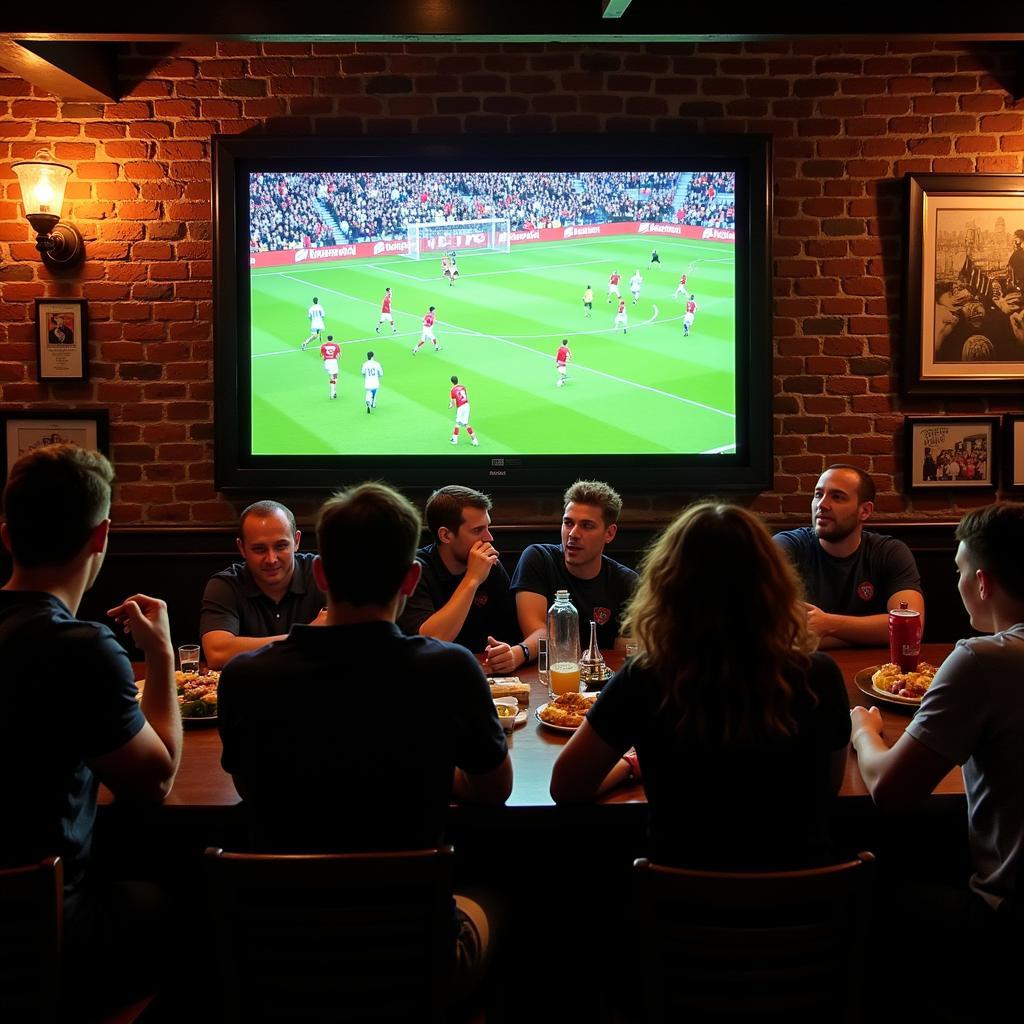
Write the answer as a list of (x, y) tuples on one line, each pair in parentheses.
[(951, 453), (25, 429), (62, 343), (963, 310), (1013, 468)]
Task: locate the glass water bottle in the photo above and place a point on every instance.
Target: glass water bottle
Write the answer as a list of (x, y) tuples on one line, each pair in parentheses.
[(563, 646)]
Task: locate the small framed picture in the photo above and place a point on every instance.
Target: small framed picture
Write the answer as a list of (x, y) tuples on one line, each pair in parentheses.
[(1014, 474), (61, 340), (950, 452), (24, 430)]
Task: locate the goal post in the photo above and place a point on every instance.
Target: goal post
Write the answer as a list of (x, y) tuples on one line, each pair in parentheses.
[(436, 239)]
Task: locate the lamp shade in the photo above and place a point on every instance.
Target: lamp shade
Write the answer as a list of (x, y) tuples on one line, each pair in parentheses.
[(42, 182)]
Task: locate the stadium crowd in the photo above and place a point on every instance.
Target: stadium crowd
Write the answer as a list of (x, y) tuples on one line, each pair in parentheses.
[(287, 213)]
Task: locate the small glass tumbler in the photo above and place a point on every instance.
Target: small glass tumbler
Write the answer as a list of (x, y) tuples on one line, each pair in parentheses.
[(188, 659)]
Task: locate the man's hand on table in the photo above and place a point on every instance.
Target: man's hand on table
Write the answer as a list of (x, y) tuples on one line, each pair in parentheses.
[(321, 618), (502, 658), (864, 719)]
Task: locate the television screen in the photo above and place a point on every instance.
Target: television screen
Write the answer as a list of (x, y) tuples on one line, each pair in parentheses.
[(493, 311)]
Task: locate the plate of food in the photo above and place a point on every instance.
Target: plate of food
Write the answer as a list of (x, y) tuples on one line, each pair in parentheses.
[(887, 683), (510, 714), (566, 712), (197, 696)]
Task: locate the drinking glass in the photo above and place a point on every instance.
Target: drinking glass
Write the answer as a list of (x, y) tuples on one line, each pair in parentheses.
[(188, 658)]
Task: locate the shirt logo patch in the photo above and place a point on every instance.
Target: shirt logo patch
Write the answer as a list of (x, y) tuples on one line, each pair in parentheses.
[(480, 600), (602, 615), (866, 590)]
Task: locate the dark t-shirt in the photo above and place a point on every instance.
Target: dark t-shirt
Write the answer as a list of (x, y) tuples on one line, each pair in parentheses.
[(492, 613), (234, 603), (762, 804), (861, 583), (347, 737), (541, 570), (68, 695)]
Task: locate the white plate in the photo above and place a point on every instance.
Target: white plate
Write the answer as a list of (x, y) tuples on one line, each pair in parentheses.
[(548, 725), (863, 682)]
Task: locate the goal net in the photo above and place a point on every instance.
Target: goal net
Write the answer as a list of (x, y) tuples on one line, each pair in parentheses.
[(426, 240)]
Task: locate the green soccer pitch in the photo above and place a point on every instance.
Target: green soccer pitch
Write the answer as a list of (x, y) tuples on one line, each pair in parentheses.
[(649, 391)]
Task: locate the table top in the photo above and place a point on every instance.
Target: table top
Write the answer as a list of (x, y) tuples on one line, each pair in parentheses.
[(202, 783)]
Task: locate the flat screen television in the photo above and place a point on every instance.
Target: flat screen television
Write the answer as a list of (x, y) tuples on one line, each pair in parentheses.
[(537, 309)]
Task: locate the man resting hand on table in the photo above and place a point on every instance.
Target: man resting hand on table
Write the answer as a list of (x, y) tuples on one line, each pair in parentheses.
[(251, 603), (463, 594), (852, 577), (972, 715), (598, 586)]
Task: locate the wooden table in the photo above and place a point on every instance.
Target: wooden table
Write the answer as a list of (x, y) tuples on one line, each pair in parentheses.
[(202, 783)]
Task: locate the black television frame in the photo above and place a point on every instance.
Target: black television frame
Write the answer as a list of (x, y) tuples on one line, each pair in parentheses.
[(748, 470)]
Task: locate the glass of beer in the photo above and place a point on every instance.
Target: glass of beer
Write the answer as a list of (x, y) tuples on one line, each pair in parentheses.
[(563, 677)]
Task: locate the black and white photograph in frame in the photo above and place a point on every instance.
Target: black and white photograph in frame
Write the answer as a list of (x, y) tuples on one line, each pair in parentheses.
[(1014, 477), (24, 430)]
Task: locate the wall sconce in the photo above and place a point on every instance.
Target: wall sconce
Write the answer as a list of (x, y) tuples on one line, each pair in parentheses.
[(42, 183)]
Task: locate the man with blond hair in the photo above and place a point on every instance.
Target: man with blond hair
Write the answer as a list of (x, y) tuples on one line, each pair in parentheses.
[(598, 586)]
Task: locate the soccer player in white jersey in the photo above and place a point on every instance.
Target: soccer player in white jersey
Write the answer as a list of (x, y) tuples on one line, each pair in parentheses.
[(316, 322), (372, 372), (634, 285), (330, 353)]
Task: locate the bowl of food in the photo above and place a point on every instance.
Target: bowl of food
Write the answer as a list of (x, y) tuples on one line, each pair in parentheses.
[(507, 709)]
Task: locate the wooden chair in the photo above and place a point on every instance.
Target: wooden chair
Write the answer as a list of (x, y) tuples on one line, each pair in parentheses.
[(771, 946), (31, 933), (348, 937), (31, 922)]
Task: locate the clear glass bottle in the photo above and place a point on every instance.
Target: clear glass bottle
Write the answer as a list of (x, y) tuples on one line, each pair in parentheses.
[(593, 670), (563, 646)]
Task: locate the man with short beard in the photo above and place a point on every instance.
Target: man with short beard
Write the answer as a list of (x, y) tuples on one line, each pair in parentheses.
[(852, 577)]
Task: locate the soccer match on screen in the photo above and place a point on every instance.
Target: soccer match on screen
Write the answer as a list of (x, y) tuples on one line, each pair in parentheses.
[(406, 313)]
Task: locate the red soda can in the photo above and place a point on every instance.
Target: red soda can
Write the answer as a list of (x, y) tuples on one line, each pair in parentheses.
[(904, 637)]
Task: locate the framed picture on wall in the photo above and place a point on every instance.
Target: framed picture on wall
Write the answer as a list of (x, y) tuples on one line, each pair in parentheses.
[(61, 340), (1013, 477), (24, 430), (950, 452), (964, 286)]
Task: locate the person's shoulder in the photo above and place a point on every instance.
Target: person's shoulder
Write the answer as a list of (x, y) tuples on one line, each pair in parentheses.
[(236, 573), (801, 537), (882, 541), (541, 553), (623, 572), (452, 661)]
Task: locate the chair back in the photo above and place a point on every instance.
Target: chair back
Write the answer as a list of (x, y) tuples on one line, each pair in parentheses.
[(31, 920), (367, 936), (721, 946)]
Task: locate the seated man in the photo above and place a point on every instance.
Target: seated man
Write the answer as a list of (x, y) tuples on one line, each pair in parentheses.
[(365, 771), (852, 578), (598, 586), (463, 594), (71, 719), (972, 715), (255, 602)]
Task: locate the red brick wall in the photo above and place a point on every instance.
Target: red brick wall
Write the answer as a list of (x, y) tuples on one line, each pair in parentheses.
[(848, 121)]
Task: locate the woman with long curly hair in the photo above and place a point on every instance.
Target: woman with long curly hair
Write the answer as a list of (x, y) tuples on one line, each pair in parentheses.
[(740, 729)]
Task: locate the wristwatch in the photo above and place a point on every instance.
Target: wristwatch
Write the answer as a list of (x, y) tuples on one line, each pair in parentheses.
[(526, 653)]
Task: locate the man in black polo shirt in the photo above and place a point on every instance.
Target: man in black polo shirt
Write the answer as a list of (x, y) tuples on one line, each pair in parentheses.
[(851, 577), (463, 594), (598, 586), (255, 602)]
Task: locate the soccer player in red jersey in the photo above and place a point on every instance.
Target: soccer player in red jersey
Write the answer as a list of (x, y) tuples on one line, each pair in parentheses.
[(385, 312), (691, 311), (621, 319), (681, 286), (459, 398), (562, 357), (428, 332), (613, 286), (330, 353)]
